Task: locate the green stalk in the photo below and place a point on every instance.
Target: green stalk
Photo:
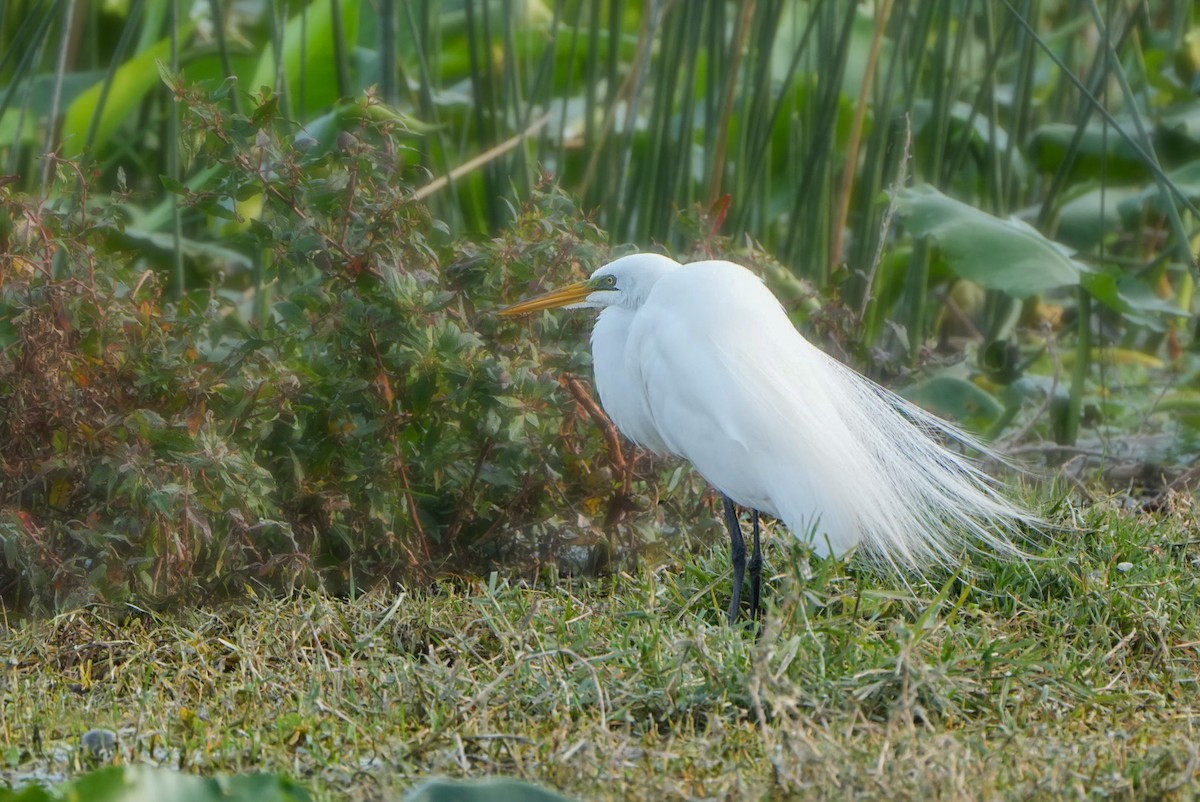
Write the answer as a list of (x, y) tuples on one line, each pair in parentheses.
[(235, 100), (917, 290), (341, 49), (302, 78), (485, 111), (722, 121), (118, 58), (759, 116), (1083, 358), (173, 165), (388, 67), (883, 167), (807, 246), (1165, 185), (275, 27), (27, 66), (850, 170), (436, 155)]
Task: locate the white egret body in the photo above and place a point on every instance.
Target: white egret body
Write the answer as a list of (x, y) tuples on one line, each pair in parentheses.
[(701, 361)]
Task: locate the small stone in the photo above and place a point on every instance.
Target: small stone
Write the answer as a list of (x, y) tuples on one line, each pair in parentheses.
[(99, 743)]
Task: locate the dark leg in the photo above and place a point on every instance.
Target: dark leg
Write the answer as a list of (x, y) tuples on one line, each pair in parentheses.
[(756, 566), (737, 549)]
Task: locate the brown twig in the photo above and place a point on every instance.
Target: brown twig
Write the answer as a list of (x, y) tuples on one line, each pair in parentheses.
[(456, 523), (589, 404), (624, 467), (401, 465)]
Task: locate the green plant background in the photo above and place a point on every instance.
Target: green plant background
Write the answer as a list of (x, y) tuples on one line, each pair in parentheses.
[(251, 253)]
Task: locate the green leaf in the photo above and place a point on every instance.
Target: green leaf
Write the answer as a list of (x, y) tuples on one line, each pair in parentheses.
[(1005, 255), (137, 783), (1186, 179), (1132, 298), (31, 793), (1101, 151), (308, 48), (209, 258), (9, 133), (1183, 121), (1187, 401), (955, 398), (132, 81), (171, 185), (324, 130), (1086, 219), (499, 789)]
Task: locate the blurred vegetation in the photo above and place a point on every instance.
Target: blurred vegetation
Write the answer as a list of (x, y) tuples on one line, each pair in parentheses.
[(128, 784), (248, 251), (135, 783)]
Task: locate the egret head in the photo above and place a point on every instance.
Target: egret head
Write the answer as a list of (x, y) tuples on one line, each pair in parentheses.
[(624, 282)]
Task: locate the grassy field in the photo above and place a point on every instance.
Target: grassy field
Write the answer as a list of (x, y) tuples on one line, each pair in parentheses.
[(1074, 675)]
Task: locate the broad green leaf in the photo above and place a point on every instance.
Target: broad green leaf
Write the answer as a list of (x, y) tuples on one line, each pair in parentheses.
[(1186, 179), (1183, 121), (1101, 151), (144, 784), (308, 49), (1086, 219), (210, 258), (1180, 401), (324, 130), (8, 127), (1004, 255), (955, 398), (498, 789), (988, 135), (132, 81), (1132, 298)]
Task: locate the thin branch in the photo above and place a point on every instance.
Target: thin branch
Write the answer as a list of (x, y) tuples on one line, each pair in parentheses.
[(489, 155)]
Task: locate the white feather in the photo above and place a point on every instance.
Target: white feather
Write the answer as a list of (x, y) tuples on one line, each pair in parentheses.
[(701, 361)]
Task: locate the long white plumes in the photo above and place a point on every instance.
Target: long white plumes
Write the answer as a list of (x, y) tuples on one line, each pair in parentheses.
[(779, 426), (908, 498)]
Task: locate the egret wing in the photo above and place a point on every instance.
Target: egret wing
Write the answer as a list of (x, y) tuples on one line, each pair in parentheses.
[(778, 425), (619, 388), (713, 352)]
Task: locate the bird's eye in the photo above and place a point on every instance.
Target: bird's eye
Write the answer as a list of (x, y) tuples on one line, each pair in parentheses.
[(610, 281)]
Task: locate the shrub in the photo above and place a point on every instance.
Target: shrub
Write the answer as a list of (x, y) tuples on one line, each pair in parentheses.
[(343, 410)]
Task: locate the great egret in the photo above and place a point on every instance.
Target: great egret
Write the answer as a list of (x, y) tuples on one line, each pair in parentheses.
[(700, 360)]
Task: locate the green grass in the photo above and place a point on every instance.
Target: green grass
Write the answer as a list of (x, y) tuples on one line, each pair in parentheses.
[(1075, 675)]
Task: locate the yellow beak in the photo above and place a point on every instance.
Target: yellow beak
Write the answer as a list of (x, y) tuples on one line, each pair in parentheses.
[(564, 296)]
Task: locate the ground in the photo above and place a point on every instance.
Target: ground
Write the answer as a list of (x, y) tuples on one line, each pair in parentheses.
[(1074, 674)]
